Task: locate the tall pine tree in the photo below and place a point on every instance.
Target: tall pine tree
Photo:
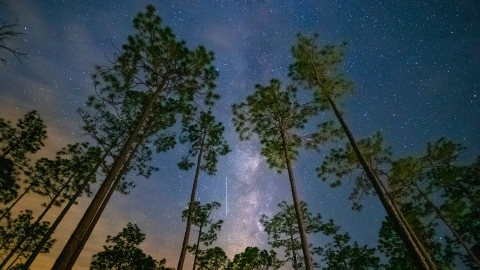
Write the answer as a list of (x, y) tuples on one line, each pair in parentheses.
[(150, 79), (275, 115)]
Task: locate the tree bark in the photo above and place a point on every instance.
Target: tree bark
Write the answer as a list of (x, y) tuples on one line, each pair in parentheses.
[(181, 260), (89, 231), (420, 256), (298, 213)]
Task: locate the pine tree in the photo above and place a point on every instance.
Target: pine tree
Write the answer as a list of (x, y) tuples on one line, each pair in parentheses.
[(419, 180), (85, 163), (340, 254), (151, 78), (275, 115), (283, 232), (122, 252), (212, 259), (255, 259), (207, 228), (318, 69), (15, 143), (207, 143)]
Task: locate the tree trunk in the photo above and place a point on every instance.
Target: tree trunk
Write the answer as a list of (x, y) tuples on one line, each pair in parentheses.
[(87, 234), (294, 254), (181, 260), (32, 227), (298, 213), (196, 250), (18, 199), (420, 256), (55, 224), (16, 259), (447, 223), (69, 249)]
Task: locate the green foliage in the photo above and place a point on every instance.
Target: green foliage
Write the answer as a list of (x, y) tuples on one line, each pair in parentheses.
[(319, 69), (342, 164), (15, 143), (441, 192), (274, 115), (254, 259), (341, 254), (201, 219), (283, 232), (122, 252), (153, 74), (204, 135), (212, 259)]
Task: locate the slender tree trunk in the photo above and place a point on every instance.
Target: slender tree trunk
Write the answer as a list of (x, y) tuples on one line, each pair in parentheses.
[(181, 260), (294, 254), (107, 184), (402, 217), (18, 199), (89, 231), (447, 223), (421, 258), (10, 148), (55, 224), (196, 250), (16, 259), (298, 213), (32, 227)]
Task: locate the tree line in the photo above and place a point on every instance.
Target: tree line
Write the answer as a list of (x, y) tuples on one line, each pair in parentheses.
[(431, 201)]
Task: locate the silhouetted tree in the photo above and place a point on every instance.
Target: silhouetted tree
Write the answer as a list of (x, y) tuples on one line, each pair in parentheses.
[(207, 143), (276, 115), (122, 252), (84, 164), (318, 69), (7, 31), (212, 259), (15, 143), (419, 180), (58, 182), (207, 228), (342, 255), (342, 163), (254, 259), (23, 236), (149, 81), (283, 232)]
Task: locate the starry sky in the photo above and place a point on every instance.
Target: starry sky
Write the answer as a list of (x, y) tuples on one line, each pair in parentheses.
[(415, 66)]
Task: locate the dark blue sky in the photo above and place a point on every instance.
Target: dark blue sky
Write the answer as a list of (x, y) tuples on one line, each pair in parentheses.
[(415, 66)]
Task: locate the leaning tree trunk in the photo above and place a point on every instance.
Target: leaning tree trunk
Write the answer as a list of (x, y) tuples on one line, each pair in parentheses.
[(32, 227), (294, 254), (19, 198), (181, 260), (89, 231), (298, 212), (198, 243), (69, 249), (420, 256), (57, 221), (441, 216)]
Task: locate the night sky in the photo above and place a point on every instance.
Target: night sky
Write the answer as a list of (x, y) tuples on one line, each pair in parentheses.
[(415, 66)]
